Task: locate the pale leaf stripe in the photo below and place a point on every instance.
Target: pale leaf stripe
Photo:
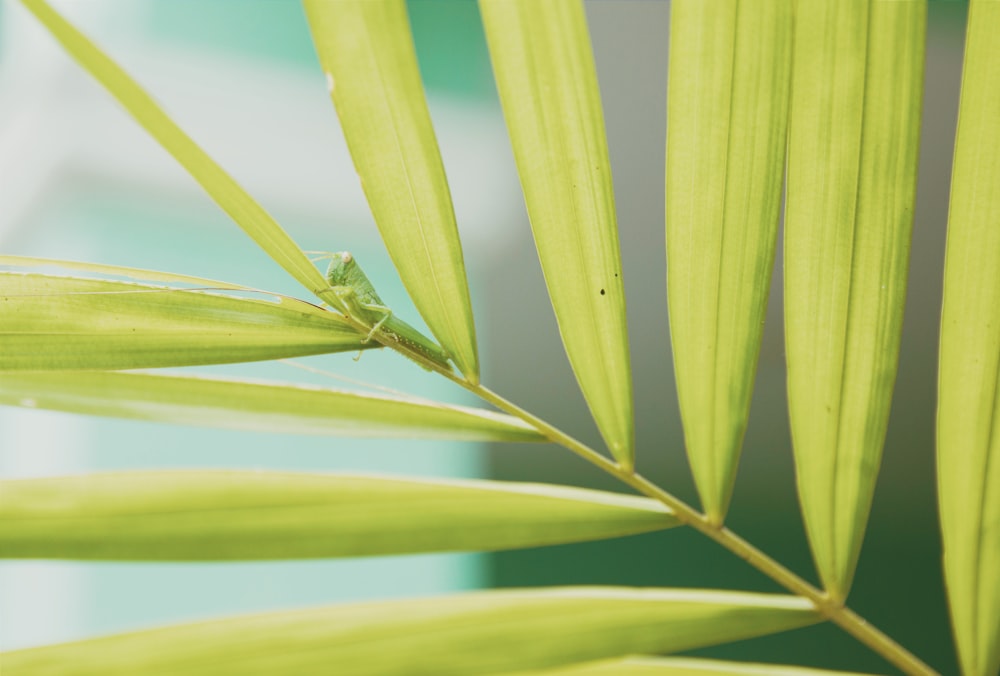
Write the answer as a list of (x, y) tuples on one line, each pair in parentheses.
[(968, 416), (367, 54), (684, 666), (547, 82), (727, 109), (854, 128), (478, 633), (220, 515), (256, 406), (52, 322)]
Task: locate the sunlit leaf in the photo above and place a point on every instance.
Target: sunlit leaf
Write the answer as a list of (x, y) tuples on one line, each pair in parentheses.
[(857, 81), (219, 185), (238, 515), (683, 666), (547, 83), (726, 123), (248, 405), (479, 633), (31, 263), (51, 323), (367, 54), (968, 417)]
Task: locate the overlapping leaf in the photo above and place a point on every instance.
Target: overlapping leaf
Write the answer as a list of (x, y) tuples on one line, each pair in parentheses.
[(726, 122), (245, 405), (547, 83), (239, 515), (968, 416), (857, 80), (367, 54), (480, 633), (32, 263), (53, 322)]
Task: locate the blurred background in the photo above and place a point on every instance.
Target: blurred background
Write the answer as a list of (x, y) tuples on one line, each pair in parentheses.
[(80, 180)]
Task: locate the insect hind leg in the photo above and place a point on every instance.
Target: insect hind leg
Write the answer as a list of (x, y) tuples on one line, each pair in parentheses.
[(387, 312), (360, 310)]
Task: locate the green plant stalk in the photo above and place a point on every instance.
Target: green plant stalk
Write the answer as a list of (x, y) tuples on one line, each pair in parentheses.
[(390, 341), (831, 609)]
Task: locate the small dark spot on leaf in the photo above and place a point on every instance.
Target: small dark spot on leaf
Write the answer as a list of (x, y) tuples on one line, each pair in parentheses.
[(602, 292)]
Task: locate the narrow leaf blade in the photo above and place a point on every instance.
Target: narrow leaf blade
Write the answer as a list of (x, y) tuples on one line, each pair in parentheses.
[(367, 53), (727, 108), (852, 161), (479, 633), (245, 405), (240, 515), (547, 83), (685, 666), (53, 323), (219, 185), (968, 415), (28, 263)]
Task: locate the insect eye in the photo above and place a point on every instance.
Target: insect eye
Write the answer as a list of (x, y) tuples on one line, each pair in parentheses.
[(346, 257)]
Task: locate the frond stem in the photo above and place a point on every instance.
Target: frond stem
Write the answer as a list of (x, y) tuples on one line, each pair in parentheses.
[(832, 610)]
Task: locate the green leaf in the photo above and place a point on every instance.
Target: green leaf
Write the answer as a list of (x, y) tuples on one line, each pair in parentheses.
[(240, 515), (219, 185), (51, 323), (857, 82), (684, 666), (29, 262), (244, 405), (478, 633), (727, 112), (968, 416), (367, 54), (547, 83)]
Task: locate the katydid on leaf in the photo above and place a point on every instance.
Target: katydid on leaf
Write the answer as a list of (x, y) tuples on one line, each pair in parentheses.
[(351, 285)]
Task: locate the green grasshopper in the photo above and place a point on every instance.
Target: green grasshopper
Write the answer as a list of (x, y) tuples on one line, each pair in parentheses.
[(351, 285)]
